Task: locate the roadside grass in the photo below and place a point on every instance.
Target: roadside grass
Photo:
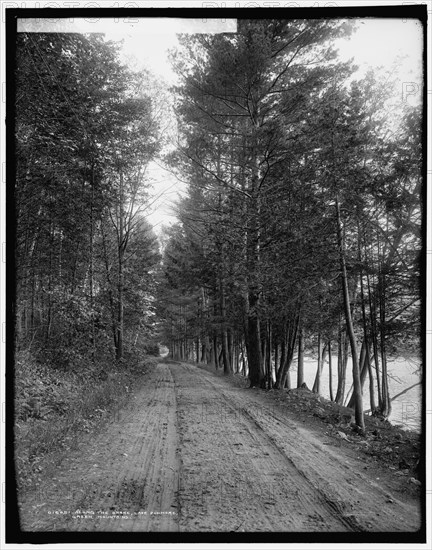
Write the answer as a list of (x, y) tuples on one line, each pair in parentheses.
[(53, 408)]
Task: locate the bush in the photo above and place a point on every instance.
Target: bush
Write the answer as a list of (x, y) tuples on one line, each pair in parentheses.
[(52, 407), (39, 390)]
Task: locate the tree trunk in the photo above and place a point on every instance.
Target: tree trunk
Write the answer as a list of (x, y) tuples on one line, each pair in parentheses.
[(269, 356), (120, 288), (363, 371), (243, 359), (110, 286), (236, 355), (230, 348), (374, 337), (276, 358), (300, 365), (359, 416), (342, 366), (253, 344), (365, 331), (317, 384), (371, 385), (287, 380), (120, 318), (283, 358), (222, 305), (289, 340), (225, 352), (215, 352), (330, 371), (253, 253), (386, 402)]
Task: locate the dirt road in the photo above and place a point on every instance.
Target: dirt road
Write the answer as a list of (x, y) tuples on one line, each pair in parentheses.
[(193, 453)]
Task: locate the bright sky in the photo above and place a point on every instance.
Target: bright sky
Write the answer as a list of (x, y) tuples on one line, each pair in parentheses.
[(148, 48), (387, 42), (377, 42)]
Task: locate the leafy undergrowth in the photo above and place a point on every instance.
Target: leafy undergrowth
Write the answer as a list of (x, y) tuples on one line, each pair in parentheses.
[(385, 444), (53, 408)]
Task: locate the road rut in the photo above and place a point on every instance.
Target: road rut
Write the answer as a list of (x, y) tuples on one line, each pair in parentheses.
[(192, 453)]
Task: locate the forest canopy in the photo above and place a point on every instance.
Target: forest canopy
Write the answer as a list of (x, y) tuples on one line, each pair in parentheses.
[(86, 131), (300, 230), (301, 226)]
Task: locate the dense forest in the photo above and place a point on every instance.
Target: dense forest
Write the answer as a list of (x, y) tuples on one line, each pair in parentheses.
[(86, 130), (299, 232), (301, 225)]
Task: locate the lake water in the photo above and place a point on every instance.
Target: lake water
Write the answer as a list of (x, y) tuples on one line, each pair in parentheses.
[(403, 373)]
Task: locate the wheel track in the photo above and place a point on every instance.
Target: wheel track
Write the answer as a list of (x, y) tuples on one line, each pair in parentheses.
[(131, 467), (293, 496), (336, 508), (224, 459), (352, 498)]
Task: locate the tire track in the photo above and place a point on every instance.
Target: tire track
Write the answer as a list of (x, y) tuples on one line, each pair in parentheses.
[(332, 492), (192, 453), (126, 477), (250, 463)]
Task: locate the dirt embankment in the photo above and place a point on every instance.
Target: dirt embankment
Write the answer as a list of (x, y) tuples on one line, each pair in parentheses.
[(192, 452)]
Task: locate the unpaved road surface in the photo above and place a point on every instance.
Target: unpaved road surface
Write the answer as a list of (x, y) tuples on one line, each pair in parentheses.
[(193, 453)]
